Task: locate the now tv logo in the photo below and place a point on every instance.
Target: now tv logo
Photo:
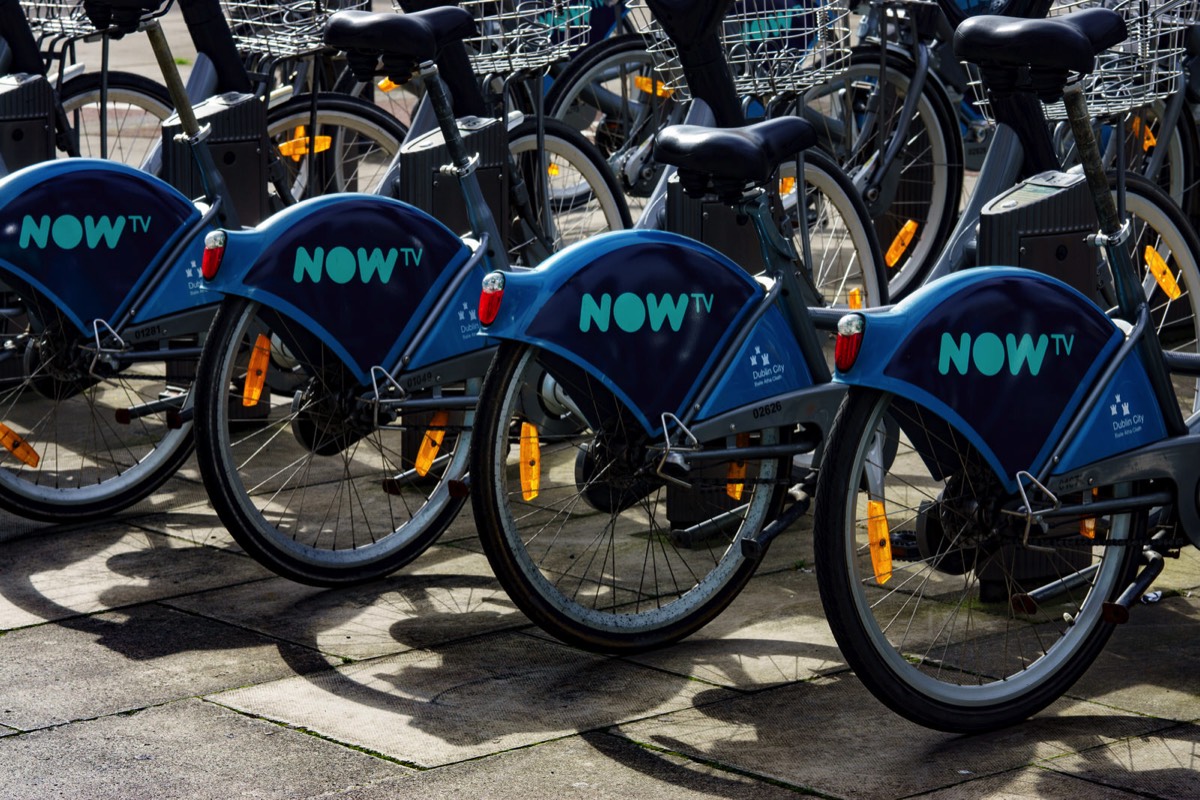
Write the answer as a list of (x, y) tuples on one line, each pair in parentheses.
[(990, 354), (69, 231), (631, 312)]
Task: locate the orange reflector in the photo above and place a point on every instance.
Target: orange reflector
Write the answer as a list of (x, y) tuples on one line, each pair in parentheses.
[(297, 146), (1087, 527), (856, 299), (787, 185), (900, 243), (1162, 275), (552, 170), (736, 475), (881, 541), (431, 442), (387, 85), (1148, 137), (256, 372), (531, 461), (650, 86), (18, 446)]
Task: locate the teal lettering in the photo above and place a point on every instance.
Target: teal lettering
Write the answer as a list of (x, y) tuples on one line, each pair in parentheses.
[(988, 353), (103, 228), (590, 311), (376, 263), (629, 312), (39, 232), (67, 232), (1026, 351), (309, 265), (672, 311), (957, 353), (340, 265)]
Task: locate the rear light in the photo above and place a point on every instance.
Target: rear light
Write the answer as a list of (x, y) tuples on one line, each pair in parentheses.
[(490, 297), (849, 341), (214, 251)]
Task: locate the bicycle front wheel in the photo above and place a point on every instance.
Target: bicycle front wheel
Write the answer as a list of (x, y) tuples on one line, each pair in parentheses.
[(963, 629), (132, 112), (303, 478), (586, 538), (343, 144), (573, 194)]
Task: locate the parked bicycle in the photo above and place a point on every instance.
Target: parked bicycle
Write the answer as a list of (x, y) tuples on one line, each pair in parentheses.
[(1011, 466)]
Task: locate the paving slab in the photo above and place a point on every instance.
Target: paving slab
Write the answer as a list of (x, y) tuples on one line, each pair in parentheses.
[(1148, 666), (594, 765), (446, 594), (1031, 783), (189, 749), (1165, 764), (67, 573), (469, 699), (774, 632), (1180, 574), (123, 661), (831, 736)]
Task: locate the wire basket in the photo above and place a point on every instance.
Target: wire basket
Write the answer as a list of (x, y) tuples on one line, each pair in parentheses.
[(55, 19), (1138, 71), (774, 47), (523, 34), (282, 28)]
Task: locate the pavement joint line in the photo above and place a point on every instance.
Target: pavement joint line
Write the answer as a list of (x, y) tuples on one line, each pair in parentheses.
[(1136, 792), (128, 712), (745, 773)]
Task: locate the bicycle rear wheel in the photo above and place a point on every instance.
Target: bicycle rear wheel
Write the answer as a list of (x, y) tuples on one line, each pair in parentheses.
[(83, 438), (949, 633), (304, 480), (588, 541)]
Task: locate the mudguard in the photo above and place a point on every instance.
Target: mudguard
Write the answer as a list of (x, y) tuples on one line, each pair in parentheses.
[(359, 272), (647, 313), (83, 232), (975, 347)]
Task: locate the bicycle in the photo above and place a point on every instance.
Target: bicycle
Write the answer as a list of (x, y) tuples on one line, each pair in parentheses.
[(972, 568), (611, 500), (96, 380), (341, 455)]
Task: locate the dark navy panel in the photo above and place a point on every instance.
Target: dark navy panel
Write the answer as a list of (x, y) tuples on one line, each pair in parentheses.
[(646, 317), (87, 235), (997, 345), (359, 268)]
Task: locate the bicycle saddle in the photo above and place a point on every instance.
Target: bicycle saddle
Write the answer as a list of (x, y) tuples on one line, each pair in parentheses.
[(400, 38), (1069, 42), (726, 160)]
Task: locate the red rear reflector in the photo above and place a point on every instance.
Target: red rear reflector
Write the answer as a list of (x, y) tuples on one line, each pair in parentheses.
[(214, 251), (849, 341), (490, 297)]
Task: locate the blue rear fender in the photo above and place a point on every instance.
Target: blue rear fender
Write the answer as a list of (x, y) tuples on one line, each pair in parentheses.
[(359, 272), (84, 233), (975, 347), (645, 313)]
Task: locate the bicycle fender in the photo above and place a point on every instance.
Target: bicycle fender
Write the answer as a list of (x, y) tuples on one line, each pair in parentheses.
[(975, 346), (358, 271), (646, 313), (83, 233)]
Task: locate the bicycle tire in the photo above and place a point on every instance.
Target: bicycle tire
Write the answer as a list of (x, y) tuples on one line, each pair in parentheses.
[(362, 140), (94, 457), (302, 488), (622, 119), (136, 109), (1157, 223), (581, 195), (942, 637), (605, 572), (836, 216), (928, 171)]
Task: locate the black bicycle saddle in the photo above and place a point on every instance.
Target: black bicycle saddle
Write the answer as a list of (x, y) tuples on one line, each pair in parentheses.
[(1069, 42)]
